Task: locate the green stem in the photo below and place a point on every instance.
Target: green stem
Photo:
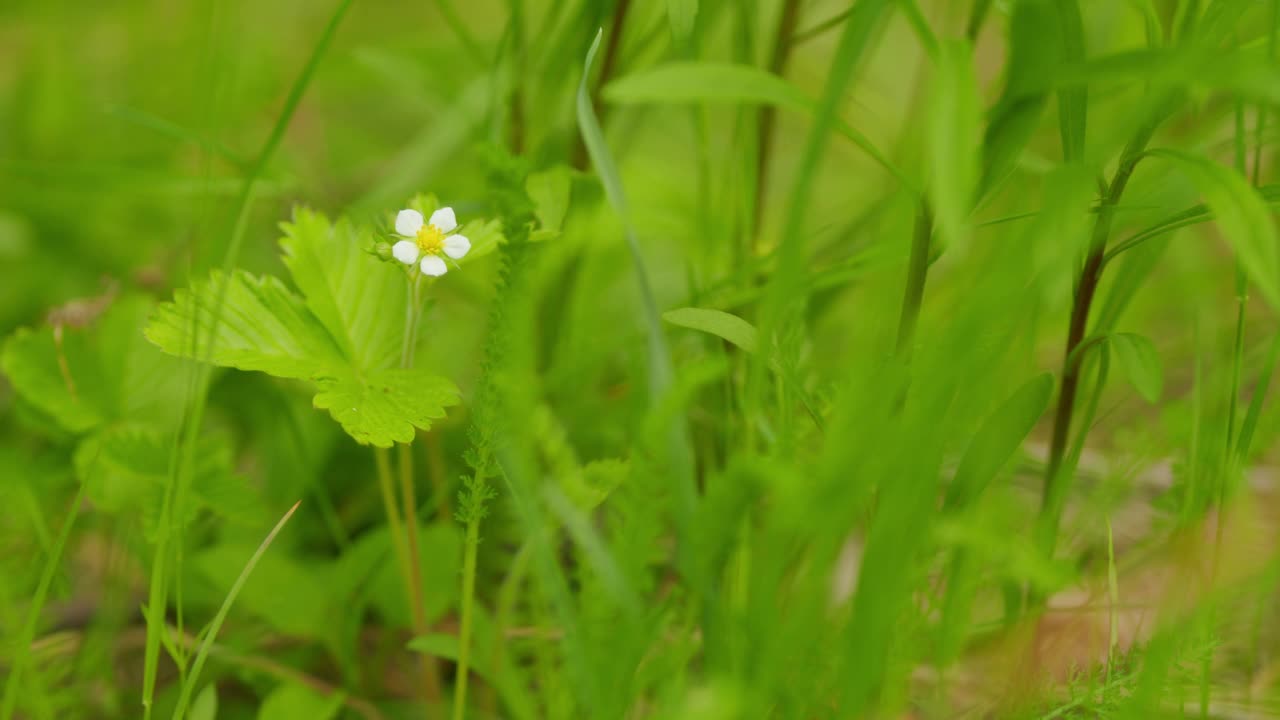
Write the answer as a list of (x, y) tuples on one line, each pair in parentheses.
[(465, 619), (412, 567), (917, 272), (386, 486)]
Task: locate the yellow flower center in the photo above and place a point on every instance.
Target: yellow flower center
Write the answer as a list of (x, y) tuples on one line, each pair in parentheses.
[(430, 240)]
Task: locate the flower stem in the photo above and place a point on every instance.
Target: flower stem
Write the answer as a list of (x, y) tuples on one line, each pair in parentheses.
[(464, 621), (386, 485), (408, 532)]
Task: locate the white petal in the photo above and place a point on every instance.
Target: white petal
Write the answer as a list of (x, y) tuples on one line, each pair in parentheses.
[(408, 222), (455, 246), (406, 251), (433, 266), (444, 219)]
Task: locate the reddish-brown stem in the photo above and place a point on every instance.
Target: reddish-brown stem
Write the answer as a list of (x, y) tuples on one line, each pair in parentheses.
[(782, 44), (1054, 485)]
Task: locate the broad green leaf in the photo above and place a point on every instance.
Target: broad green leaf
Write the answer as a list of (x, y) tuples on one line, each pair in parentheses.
[(549, 191), (103, 372), (1242, 215), (264, 327), (384, 407), (360, 303), (33, 364), (1138, 357), (292, 701), (696, 82), (205, 706), (368, 569), (124, 468), (954, 119), (717, 322), (996, 440)]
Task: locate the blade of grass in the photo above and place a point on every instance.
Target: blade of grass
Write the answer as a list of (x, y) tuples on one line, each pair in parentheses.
[(184, 697)]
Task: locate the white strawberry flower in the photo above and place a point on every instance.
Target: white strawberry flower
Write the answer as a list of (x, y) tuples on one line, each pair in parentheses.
[(425, 242)]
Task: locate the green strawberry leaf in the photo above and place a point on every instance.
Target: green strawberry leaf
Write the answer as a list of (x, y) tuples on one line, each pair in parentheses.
[(384, 407), (342, 334), (103, 372), (264, 327), (360, 303), (125, 467)]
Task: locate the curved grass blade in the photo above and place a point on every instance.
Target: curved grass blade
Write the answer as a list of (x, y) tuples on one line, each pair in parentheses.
[(660, 370), (193, 675)]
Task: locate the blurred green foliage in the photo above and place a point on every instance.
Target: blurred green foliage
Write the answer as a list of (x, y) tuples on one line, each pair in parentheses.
[(812, 359)]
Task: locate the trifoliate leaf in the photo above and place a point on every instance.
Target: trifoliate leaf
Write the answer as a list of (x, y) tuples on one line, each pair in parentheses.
[(383, 408)]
